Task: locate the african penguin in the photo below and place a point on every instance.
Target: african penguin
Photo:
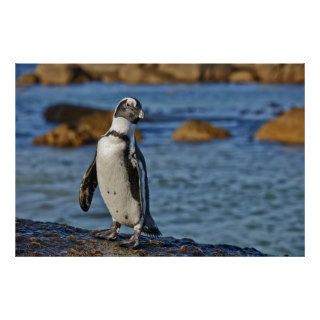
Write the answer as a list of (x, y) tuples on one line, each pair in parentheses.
[(119, 168)]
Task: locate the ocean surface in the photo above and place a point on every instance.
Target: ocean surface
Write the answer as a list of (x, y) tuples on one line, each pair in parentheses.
[(238, 191)]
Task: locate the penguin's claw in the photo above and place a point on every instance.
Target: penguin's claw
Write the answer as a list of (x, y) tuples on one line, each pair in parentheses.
[(134, 241), (131, 243), (109, 234)]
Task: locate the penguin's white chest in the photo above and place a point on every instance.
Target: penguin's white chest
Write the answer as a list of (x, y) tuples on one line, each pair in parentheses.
[(114, 182)]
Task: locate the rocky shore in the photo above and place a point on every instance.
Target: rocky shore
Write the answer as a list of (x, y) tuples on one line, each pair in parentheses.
[(62, 74), (53, 239)]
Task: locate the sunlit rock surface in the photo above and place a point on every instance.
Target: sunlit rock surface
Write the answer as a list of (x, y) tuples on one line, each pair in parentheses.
[(198, 131), (288, 128)]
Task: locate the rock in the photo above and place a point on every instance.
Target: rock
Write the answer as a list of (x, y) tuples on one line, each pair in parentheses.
[(292, 73), (279, 73), (54, 74), (141, 73), (267, 73), (66, 136), (87, 131), (181, 72), (197, 131), (28, 79), (288, 128), (154, 77), (102, 71), (70, 113), (53, 239), (60, 74), (241, 76), (216, 72), (131, 73), (191, 250), (79, 126)]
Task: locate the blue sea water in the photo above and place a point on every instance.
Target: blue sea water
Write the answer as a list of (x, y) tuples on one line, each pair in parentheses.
[(238, 191)]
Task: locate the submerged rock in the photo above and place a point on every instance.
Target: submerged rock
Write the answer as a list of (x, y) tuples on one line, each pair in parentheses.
[(53, 239), (79, 126), (288, 128), (197, 131)]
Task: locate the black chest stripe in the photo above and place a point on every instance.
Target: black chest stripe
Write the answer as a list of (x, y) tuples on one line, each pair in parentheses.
[(121, 136)]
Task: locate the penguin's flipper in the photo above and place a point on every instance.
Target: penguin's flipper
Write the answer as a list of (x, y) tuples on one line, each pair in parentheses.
[(143, 181), (88, 185), (149, 226)]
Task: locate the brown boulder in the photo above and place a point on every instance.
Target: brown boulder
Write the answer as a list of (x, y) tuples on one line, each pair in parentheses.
[(292, 73), (131, 73), (101, 71), (60, 74), (279, 73), (27, 79), (65, 136), (180, 72), (79, 126), (69, 113), (287, 128), (138, 73), (110, 77), (216, 72), (153, 77), (241, 76), (197, 131), (54, 74)]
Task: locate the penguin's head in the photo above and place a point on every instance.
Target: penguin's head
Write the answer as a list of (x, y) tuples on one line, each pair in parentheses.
[(130, 109)]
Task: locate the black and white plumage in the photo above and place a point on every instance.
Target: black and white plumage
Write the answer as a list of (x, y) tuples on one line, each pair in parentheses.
[(119, 169)]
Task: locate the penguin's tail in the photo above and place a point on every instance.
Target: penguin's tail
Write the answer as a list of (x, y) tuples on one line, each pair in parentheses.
[(150, 228)]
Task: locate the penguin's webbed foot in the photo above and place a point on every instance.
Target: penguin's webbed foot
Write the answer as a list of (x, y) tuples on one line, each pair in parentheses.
[(134, 241), (110, 234), (131, 243)]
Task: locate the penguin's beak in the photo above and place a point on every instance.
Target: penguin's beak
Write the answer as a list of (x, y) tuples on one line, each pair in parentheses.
[(141, 114)]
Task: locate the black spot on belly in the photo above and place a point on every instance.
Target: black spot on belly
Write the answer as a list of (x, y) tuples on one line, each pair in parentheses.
[(114, 193), (126, 216), (117, 211), (108, 192)]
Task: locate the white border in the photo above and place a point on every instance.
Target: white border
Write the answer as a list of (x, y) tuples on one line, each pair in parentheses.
[(166, 31)]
